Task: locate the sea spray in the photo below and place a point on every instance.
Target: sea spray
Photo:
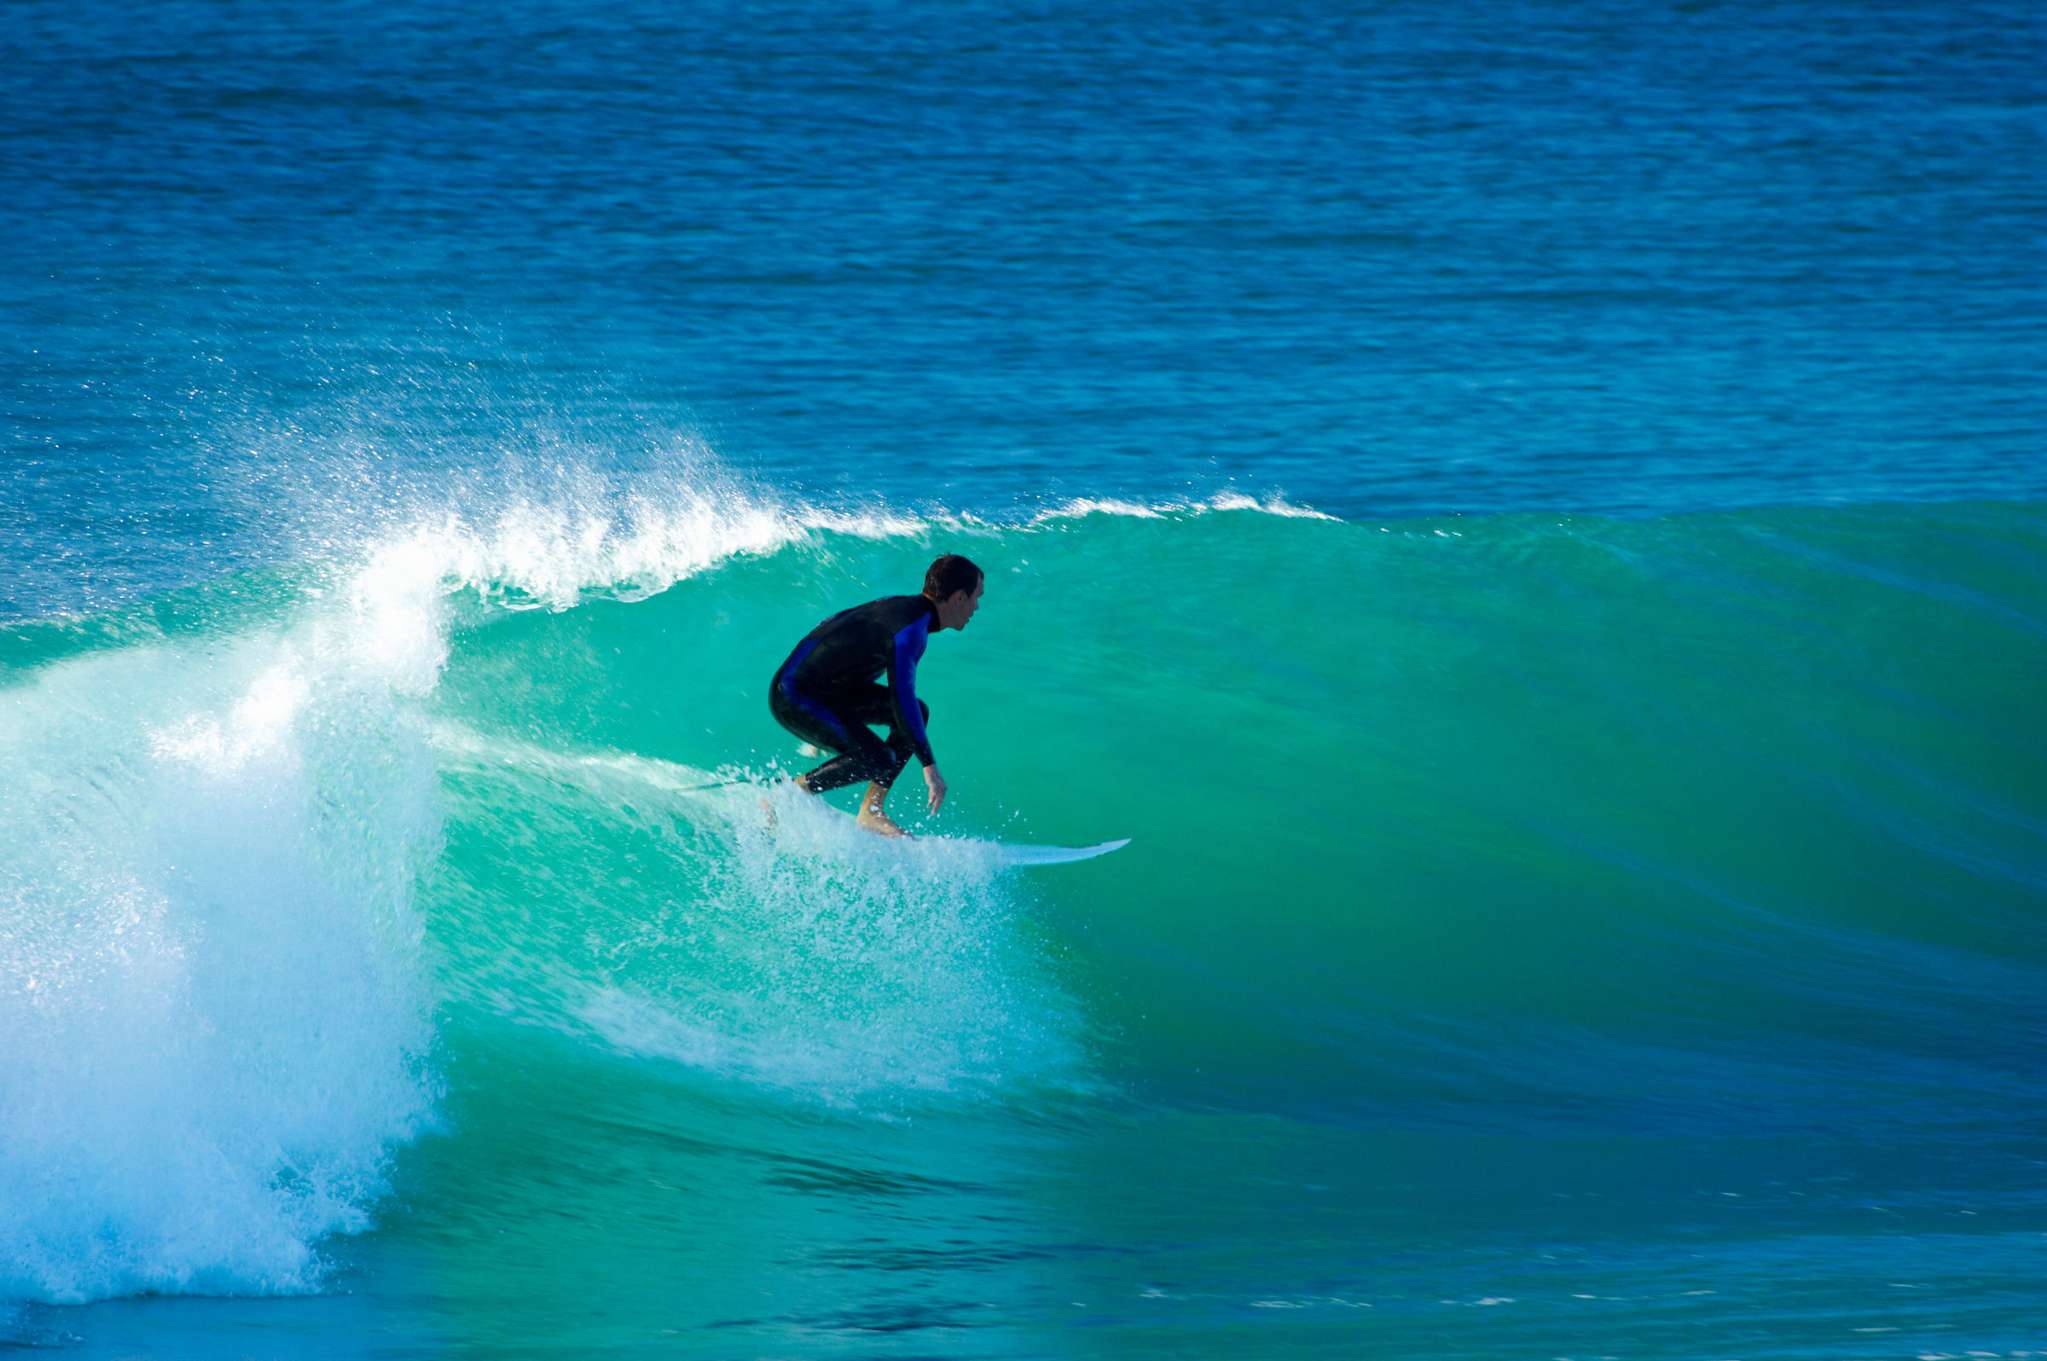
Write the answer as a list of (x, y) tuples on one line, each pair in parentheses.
[(210, 966), (742, 931)]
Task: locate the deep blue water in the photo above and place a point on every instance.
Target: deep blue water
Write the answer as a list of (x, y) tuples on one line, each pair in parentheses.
[(1386, 259)]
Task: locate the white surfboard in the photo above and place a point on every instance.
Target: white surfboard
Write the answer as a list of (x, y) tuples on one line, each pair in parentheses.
[(1018, 853)]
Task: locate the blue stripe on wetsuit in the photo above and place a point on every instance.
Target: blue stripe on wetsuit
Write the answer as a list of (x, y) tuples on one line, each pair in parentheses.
[(902, 682), (787, 680)]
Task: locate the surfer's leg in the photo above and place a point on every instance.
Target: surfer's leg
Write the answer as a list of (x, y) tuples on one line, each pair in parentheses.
[(841, 724), (851, 768), (876, 707), (861, 755)]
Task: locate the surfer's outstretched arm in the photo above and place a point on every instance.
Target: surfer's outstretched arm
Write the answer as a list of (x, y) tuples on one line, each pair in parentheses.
[(907, 711), (906, 714)]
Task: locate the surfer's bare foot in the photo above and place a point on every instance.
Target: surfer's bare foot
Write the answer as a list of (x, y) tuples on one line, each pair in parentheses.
[(873, 811), (878, 822)]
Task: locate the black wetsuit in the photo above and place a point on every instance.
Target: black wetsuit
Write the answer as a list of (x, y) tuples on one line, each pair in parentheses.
[(827, 691)]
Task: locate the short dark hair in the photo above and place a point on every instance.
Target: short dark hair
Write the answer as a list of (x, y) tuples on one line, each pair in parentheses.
[(950, 573)]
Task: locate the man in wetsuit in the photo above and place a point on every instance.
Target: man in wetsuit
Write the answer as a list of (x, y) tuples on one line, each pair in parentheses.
[(827, 691)]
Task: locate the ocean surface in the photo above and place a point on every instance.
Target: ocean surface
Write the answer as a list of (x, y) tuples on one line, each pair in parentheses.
[(1532, 518)]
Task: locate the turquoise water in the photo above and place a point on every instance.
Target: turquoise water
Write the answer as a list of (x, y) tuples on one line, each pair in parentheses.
[(1537, 933), (1530, 519)]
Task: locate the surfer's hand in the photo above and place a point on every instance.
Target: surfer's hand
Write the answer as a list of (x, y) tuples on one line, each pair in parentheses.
[(936, 784)]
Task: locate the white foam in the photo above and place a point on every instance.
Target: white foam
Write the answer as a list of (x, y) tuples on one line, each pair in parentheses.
[(581, 536), (211, 987), (1271, 505), (548, 554), (805, 955), (1082, 507), (1098, 505)]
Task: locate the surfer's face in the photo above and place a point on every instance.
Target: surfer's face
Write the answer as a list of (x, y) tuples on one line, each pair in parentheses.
[(956, 609)]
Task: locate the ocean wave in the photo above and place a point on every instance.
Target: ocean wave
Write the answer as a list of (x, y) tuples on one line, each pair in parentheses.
[(210, 968), (766, 941), (550, 552), (1483, 824)]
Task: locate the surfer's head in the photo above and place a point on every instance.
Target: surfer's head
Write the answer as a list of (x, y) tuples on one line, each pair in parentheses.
[(954, 585)]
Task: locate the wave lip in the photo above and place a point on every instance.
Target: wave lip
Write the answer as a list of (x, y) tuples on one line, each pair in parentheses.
[(548, 554), (525, 547), (1083, 506)]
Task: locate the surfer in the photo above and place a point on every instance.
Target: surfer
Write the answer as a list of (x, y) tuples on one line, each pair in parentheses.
[(827, 692)]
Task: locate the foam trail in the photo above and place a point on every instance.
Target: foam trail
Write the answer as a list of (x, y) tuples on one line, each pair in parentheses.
[(791, 952)]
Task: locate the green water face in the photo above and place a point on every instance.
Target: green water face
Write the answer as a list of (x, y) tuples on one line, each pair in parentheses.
[(1662, 778), (1536, 937)]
